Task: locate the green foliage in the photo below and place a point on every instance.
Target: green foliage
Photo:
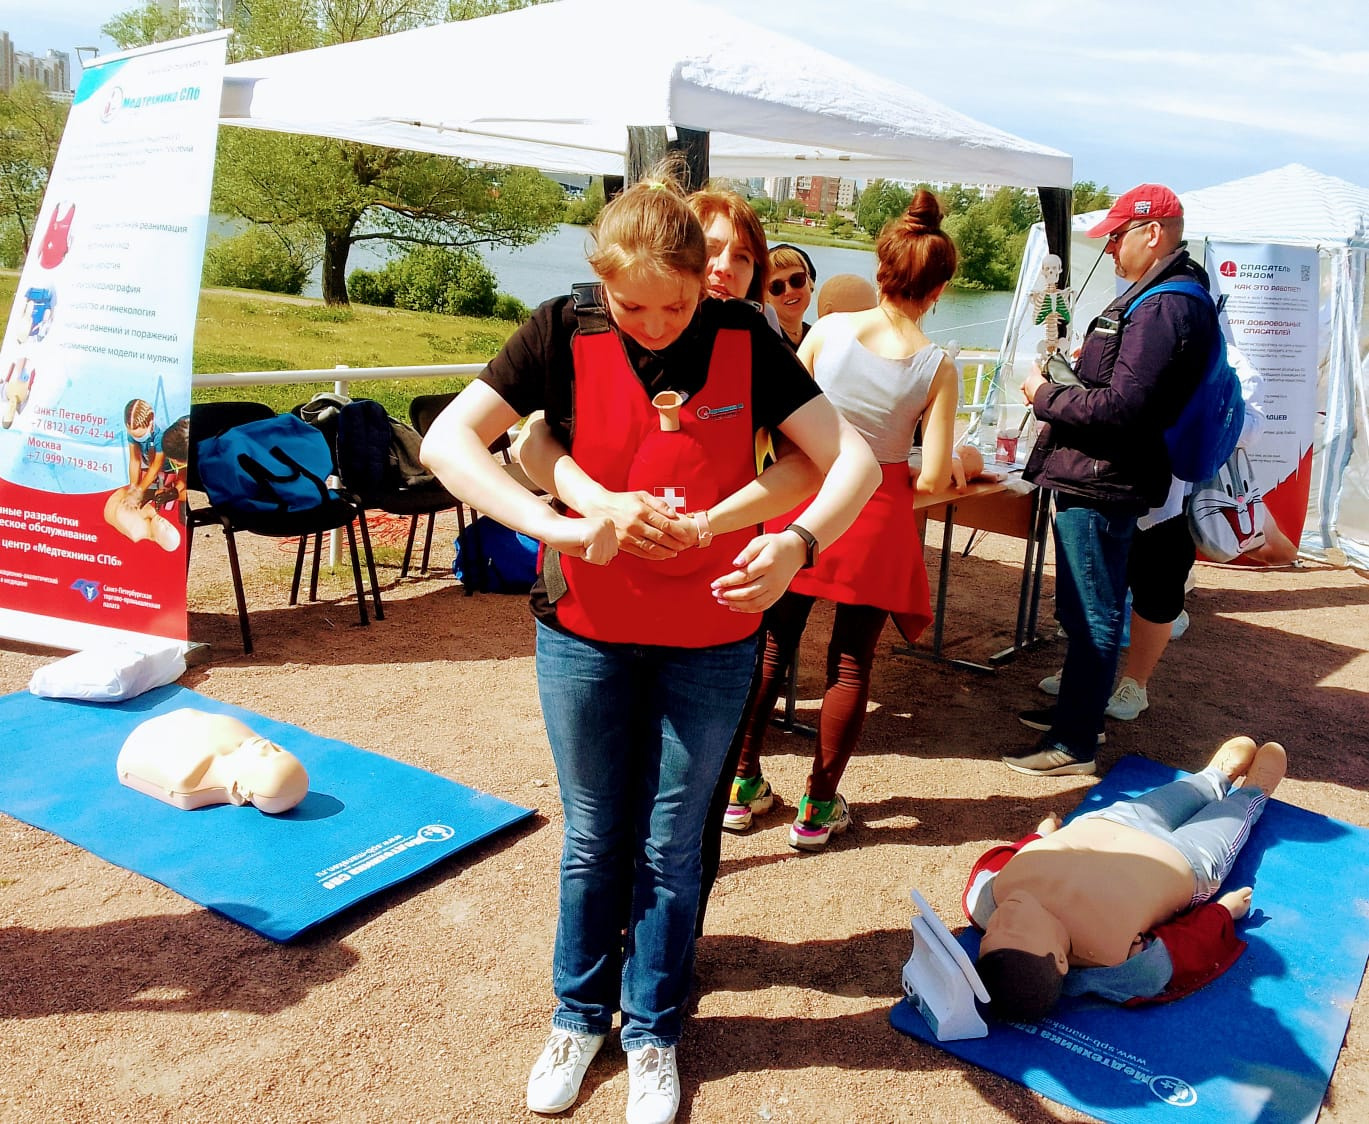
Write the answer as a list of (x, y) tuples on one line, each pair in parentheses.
[(31, 125), (583, 211), (433, 279), (366, 287), (138, 27), (507, 307), (258, 258), (881, 201), (11, 244), (1088, 196)]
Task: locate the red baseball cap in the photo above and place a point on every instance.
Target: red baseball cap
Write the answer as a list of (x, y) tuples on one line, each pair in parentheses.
[(1145, 203)]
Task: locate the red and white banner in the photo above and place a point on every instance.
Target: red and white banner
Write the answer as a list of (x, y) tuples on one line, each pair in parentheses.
[(96, 356), (1271, 315)]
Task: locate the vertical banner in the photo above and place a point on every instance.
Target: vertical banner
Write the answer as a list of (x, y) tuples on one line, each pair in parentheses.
[(1271, 313), (97, 352)]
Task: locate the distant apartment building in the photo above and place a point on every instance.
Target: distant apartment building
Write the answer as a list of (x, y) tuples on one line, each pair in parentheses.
[(822, 194), (779, 188), (204, 15), (51, 71)]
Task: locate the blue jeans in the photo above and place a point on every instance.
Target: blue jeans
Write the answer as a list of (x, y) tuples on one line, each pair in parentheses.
[(638, 734), (1201, 816), (1091, 548)]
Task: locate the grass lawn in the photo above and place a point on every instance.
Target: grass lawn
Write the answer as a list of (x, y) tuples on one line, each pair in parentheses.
[(240, 330)]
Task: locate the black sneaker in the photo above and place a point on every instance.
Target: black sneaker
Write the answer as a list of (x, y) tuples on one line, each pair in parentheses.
[(1050, 759), (1043, 719)]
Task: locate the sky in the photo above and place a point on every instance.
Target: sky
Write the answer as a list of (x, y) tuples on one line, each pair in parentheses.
[(1188, 93)]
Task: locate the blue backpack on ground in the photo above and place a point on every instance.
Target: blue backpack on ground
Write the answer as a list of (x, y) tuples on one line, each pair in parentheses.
[(274, 465), (1206, 432), (492, 558)]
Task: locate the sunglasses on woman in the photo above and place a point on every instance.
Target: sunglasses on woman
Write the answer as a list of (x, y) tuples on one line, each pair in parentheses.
[(796, 281)]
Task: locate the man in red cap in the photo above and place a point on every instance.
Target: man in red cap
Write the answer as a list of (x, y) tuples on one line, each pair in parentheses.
[(1102, 451)]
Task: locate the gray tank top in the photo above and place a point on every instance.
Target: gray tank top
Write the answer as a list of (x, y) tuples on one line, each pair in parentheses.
[(882, 398)]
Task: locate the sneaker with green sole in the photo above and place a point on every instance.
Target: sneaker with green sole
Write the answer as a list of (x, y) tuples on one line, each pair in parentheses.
[(751, 796), (817, 821)]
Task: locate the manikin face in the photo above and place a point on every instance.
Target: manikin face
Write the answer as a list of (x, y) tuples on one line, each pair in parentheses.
[(731, 266), (1021, 922), (653, 308), (261, 772)]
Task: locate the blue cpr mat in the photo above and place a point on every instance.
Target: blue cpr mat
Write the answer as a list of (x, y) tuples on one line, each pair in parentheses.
[(367, 823), (1258, 1043)]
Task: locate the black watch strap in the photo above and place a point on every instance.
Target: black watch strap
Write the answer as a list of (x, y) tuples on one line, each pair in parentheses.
[(809, 540)]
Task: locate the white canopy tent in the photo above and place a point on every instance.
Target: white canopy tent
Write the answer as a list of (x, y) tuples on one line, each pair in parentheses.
[(557, 86), (1292, 206)]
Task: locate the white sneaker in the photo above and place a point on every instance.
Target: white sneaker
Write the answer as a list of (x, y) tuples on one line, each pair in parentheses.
[(1180, 625), (653, 1085), (1051, 684), (1128, 700), (555, 1080)]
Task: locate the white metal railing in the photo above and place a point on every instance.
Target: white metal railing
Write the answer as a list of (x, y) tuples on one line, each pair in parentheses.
[(330, 374), (981, 362)]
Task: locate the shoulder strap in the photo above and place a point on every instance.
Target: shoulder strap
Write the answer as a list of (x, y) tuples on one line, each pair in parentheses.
[(1184, 285), (590, 313)]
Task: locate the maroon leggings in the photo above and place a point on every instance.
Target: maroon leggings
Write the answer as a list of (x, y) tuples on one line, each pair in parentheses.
[(850, 656)]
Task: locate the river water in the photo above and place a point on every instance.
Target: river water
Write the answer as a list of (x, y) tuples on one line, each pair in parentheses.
[(549, 268)]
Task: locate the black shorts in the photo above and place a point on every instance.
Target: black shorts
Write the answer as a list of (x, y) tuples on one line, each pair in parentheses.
[(1157, 568)]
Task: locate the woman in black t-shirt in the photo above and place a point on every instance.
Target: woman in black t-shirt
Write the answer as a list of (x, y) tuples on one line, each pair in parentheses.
[(644, 659)]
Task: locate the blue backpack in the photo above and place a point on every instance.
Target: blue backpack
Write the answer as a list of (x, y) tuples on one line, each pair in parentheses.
[(274, 465), (1206, 432), (493, 558)]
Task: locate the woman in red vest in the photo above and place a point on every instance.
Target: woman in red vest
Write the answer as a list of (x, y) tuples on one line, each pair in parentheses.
[(887, 379), (644, 656)]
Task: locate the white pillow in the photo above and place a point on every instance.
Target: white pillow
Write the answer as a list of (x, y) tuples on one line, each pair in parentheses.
[(109, 673)]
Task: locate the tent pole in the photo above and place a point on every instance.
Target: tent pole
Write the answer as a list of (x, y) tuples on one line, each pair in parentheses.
[(647, 145), (1057, 205)]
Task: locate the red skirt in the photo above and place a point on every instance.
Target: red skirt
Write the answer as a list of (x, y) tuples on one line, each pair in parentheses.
[(878, 561)]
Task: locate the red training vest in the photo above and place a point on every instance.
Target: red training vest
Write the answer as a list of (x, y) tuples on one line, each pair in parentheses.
[(618, 441)]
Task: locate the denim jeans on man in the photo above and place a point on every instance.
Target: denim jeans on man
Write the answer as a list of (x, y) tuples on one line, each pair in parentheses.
[(1091, 548), (639, 734)]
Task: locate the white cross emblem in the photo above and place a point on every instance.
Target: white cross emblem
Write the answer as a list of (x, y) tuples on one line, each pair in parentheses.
[(673, 494)]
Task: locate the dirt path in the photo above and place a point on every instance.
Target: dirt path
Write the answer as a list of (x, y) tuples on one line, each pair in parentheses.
[(119, 1000)]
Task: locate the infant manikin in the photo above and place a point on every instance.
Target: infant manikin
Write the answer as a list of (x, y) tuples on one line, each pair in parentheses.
[(190, 758)]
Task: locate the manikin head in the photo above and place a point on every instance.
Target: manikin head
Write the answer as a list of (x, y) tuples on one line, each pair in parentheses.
[(1051, 268), (1023, 958), (846, 292), (190, 758), (262, 774)]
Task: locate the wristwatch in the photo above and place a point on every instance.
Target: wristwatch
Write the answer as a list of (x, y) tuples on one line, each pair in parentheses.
[(810, 541)]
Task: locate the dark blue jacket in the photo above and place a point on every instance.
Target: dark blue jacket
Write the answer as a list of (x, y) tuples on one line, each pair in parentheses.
[(1104, 441)]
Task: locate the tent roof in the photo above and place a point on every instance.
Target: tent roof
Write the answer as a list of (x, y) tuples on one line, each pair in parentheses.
[(1292, 204), (556, 86)]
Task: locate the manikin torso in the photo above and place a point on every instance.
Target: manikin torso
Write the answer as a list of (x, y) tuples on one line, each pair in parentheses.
[(190, 758), (1106, 882)]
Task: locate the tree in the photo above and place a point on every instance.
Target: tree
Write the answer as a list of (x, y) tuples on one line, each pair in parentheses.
[(879, 202), (31, 126), (138, 27), (345, 193), (1088, 196)]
